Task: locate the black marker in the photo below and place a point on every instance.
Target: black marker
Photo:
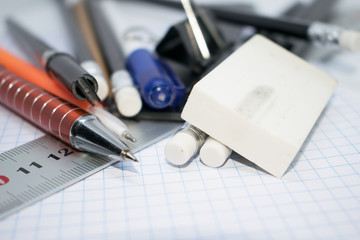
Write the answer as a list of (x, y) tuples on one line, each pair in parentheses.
[(318, 33), (58, 65), (125, 93), (82, 51)]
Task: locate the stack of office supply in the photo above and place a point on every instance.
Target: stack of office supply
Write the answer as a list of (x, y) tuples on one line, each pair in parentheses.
[(76, 80)]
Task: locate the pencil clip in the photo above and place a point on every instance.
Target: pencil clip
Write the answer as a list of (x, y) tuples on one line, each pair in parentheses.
[(195, 42)]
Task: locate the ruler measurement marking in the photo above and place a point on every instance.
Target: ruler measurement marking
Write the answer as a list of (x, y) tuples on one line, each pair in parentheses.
[(8, 156), (81, 165), (75, 172), (40, 189), (45, 176), (55, 182), (68, 178), (48, 181), (30, 193), (87, 167), (66, 175), (81, 169), (45, 187), (17, 197), (33, 189), (92, 165), (59, 181), (25, 196)]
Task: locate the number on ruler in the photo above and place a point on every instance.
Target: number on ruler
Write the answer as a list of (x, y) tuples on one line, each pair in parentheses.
[(23, 170), (65, 151), (35, 164), (53, 156)]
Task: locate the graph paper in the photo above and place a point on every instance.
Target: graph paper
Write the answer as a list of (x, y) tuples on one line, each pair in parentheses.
[(317, 198)]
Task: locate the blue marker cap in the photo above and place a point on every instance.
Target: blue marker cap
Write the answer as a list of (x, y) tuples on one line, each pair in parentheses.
[(158, 85)]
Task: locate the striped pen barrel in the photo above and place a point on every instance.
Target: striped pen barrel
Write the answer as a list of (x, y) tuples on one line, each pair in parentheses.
[(60, 118), (46, 111)]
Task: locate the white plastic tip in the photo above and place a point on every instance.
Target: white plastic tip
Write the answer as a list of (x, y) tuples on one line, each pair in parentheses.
[(128, 101), (180, 149), (103, 87), (350, 40), (213, 153)]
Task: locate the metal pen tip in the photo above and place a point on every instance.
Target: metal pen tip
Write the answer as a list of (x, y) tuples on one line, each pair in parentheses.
[(87, 90), (130, 137), (127, 155)]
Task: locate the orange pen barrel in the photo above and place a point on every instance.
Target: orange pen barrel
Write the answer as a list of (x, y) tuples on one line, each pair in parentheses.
[(50, 113)]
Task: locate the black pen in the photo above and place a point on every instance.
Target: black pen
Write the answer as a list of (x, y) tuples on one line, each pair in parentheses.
[(59, 65), (318, 33), (126, 95), (82, 51)]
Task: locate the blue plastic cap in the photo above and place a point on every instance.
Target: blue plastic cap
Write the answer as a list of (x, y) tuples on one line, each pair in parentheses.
[(160, 96), (158, 85)]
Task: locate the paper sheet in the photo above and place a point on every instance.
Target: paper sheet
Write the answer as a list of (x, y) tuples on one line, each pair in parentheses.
[(317, 198)]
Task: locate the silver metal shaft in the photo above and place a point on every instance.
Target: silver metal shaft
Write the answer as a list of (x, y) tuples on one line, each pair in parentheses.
[(88, 134)]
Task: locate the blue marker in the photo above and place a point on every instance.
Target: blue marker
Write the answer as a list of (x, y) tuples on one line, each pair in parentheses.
[(159, 86)]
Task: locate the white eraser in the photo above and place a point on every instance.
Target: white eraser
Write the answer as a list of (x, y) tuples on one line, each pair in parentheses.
[(103, 87), (128, 101), (261, 102), (213, 153), (93, 69), (350, 40), (181, 148)]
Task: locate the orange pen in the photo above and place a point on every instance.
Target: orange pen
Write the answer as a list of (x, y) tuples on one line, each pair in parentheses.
[(39, 78)]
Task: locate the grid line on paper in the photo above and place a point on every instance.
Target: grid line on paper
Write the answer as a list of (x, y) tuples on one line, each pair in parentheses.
[(348, 164), (207, 194), (316, 198), (231, 200), (291, 233), (83, 182), (125, 207), (166, 196), (317, 202), (150, 230), (105, 235), (237, 170)]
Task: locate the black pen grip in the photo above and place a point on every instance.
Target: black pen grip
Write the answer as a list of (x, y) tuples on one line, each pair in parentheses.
[(64, 68)]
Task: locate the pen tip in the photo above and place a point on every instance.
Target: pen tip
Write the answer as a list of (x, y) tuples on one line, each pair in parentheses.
[(127, 155), (85, 88), (128, 136)]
